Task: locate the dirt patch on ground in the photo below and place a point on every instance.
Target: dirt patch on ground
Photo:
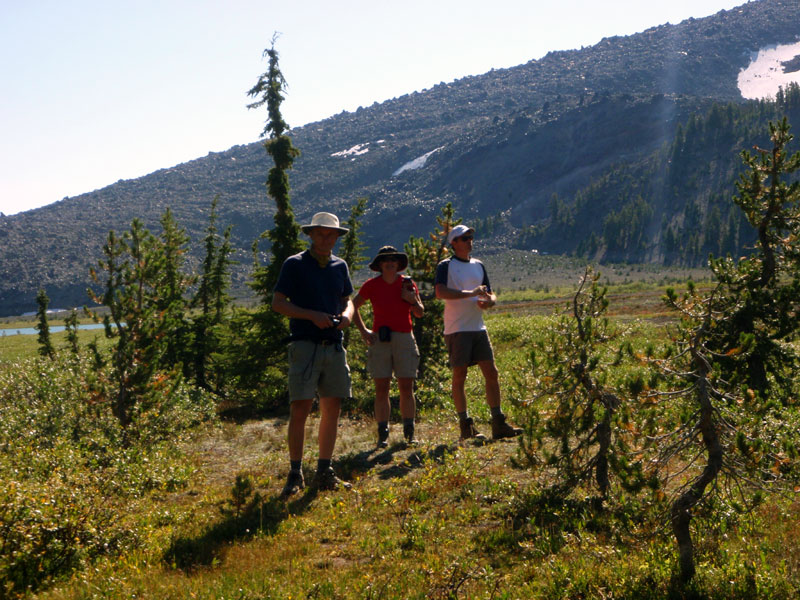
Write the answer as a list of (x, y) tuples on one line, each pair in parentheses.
[(258, 448)]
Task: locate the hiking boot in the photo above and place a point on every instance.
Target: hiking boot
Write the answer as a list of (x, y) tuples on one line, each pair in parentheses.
[(408, 433), (501, 429), (468, 430), (383, 438), (294, 483), (327, 480)]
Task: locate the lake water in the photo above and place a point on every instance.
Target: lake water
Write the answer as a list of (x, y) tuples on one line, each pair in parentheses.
[(53, 329)]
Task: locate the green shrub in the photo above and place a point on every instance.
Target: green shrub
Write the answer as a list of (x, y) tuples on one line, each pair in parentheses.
[(67, 475)]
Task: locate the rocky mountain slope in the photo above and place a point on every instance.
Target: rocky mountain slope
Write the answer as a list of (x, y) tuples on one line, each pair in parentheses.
[(508, 147)]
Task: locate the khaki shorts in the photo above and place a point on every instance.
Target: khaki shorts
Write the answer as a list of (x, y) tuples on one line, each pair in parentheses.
[(467, 348), (318, 369), (400, 354)]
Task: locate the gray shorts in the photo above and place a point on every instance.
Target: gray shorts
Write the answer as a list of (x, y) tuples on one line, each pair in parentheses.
[(467, 348), (318, 369), (399, 354)]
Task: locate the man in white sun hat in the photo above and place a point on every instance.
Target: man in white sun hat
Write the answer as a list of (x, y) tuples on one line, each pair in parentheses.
[(462, 282), (313, 290)]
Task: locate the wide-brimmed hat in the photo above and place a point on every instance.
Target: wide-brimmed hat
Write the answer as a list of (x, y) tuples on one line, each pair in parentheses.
[(389, 252), (458, 231), (324, 219)]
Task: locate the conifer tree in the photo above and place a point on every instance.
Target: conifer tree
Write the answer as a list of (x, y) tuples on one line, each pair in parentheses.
[(763, 290), (42, 326), (133, 267), (212, 300), (255, 356), (424, 254), (732, 371), (285, 236), (583, 437), (71, 327), (171, 301), (352, 247)]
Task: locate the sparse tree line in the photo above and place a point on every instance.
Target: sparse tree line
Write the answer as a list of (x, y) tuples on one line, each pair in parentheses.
[(701, 423)]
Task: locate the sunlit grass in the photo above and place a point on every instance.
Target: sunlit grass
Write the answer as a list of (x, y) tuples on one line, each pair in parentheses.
[(437, 522), (19, 347)]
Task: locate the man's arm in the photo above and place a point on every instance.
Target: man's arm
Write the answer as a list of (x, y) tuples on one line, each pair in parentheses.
[(445, 293), (347, 313), (489, 299), (281, 304)]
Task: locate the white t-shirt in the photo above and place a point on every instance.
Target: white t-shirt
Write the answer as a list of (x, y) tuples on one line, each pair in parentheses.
[(462, 314)]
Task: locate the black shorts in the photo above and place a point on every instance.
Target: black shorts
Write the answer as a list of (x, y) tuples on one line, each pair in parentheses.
[(467, 348)]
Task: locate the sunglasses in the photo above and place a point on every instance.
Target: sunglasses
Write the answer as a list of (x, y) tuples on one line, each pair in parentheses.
[(464, 238)]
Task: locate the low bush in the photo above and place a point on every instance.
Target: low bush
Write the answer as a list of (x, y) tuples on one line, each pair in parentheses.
[(69, 471)]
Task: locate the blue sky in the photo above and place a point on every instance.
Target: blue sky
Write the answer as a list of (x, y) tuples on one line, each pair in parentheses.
[(98, 91)]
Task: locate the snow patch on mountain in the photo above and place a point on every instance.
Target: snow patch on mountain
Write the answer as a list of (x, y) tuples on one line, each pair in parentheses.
[(417, 163), (768, 70), (356, 150)]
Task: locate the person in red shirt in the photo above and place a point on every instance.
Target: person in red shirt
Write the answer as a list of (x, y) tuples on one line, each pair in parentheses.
[(392, 347)]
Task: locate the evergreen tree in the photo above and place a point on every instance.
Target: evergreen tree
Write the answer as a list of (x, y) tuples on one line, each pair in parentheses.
[(268, 91), (352, 247), (423, 257), (763, 290), (213, 302), (71, 327), (134, 266), (42, 326), (584, 438), (255, 357), (171, 301), (732, 370)]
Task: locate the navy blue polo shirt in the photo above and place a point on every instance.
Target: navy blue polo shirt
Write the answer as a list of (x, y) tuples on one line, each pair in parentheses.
[(310, 286)]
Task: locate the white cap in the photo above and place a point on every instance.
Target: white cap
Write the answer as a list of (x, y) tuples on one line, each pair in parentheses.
[(458, 231)]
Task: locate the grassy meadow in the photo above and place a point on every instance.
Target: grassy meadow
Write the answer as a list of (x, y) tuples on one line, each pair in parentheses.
[(14, 348), (197, 514)]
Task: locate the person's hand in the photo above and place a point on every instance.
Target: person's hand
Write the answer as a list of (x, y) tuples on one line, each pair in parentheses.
[(481, 290), (343, 322), (369, 337), (485, 302), (408, 293), (321, 319), (485, 298)]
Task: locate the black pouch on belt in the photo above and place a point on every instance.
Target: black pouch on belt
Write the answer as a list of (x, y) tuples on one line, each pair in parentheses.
[(384, 334)]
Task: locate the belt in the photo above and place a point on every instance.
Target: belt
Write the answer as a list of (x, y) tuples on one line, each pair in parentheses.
[(319, 342)]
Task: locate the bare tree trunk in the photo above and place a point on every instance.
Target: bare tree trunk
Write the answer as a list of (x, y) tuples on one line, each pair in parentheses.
[(601, 468), (610, 403), (681, 514)]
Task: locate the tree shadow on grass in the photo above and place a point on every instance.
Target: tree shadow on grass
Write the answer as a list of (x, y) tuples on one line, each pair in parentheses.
[(261, 516)]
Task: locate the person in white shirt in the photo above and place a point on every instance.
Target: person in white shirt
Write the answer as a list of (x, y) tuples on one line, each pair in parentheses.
[(463, 284)]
